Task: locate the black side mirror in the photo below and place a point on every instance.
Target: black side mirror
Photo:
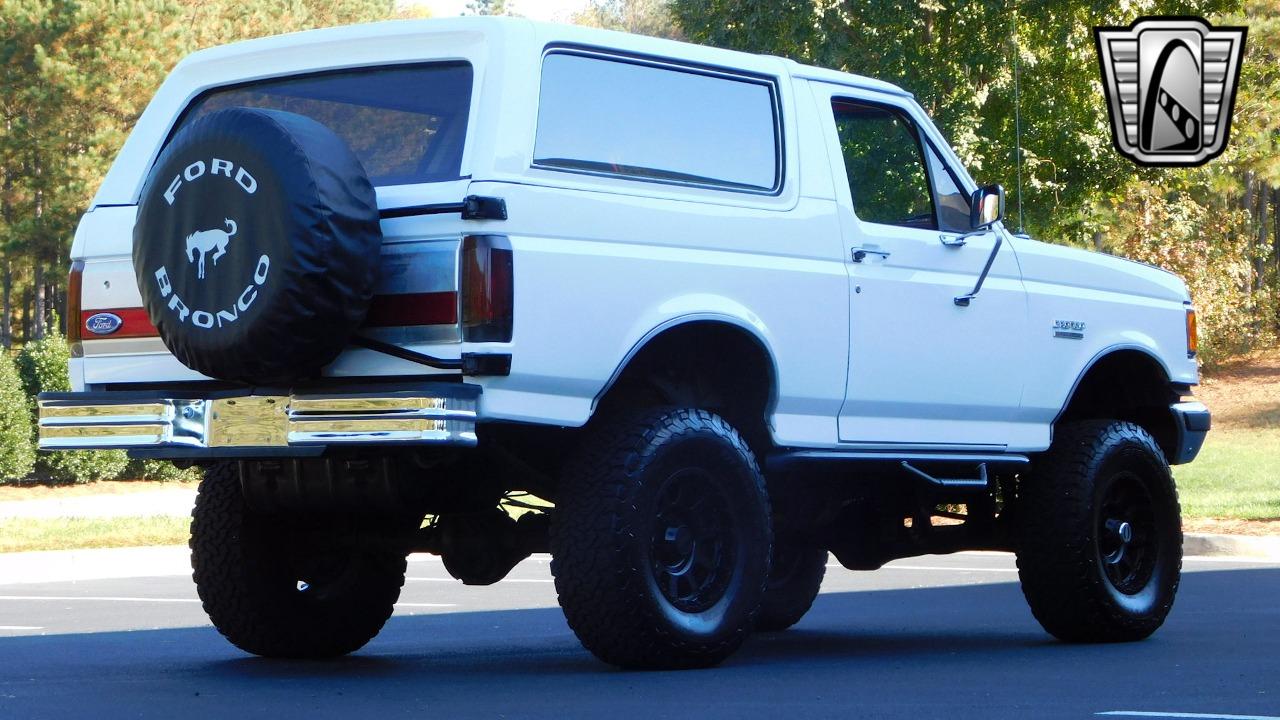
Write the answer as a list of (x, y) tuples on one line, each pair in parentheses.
[(986, 207)]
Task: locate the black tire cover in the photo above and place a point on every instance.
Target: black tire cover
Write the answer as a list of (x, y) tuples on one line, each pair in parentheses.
[(256, 246)]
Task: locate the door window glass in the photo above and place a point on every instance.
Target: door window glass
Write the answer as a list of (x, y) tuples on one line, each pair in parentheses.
[(883, 162), (952, 202)]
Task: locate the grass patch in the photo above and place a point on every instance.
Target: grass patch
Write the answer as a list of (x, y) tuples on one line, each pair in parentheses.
[(36, 491), (75, 533), (1236, 475)]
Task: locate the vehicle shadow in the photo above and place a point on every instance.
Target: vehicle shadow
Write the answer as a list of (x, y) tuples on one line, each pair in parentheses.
[(954, 651)]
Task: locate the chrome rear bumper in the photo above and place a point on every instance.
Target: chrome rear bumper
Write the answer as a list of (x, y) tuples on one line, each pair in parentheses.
[(236, 423)]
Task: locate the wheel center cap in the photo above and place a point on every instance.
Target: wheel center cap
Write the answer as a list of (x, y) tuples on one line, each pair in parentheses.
[(680, 539), (1125, 531), (1121, 529)]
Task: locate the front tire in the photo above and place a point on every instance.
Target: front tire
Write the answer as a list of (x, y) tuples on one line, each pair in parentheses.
[(795, 576), (661, 540), (1099, 534), (281, 587)]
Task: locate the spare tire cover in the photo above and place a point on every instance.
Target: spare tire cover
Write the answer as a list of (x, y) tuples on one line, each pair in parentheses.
[(256, 246)]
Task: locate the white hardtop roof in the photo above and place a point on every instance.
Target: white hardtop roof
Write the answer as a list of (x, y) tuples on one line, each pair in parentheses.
[(546, 33)]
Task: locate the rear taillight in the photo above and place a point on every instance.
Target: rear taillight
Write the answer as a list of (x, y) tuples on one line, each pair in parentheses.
[(1193, 339), (73, 321), (488, 288)]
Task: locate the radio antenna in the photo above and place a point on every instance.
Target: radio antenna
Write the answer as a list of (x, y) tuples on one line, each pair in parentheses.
[(1017, 118)]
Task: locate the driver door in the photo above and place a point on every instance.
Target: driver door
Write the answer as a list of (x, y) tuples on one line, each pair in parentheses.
[(924, 371)]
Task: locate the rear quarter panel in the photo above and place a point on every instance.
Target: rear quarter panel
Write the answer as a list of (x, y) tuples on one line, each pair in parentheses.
[(601, 263)]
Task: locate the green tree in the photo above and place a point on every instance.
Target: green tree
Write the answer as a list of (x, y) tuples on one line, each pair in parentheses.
[(42, 365), (642, 17), (488, 7), (17, 449)]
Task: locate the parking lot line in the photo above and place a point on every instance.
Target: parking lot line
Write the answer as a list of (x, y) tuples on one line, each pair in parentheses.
[(1194, 715), (99, 598)]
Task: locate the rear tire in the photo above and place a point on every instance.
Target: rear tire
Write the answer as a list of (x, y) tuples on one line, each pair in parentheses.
[(795, 577), (280, 587), (661, 540), (1099, 540)]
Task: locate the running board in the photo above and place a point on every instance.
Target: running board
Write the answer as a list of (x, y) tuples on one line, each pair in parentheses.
[(915, 464)]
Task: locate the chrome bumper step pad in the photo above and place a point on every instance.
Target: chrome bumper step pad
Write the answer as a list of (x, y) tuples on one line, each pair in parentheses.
[(435, 414)]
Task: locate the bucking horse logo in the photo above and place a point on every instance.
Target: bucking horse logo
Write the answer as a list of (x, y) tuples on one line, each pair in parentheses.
[(206, 241)]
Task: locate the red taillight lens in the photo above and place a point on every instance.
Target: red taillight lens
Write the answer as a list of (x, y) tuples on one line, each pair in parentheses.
[(73, 321), (488, 288), (1193, 338)]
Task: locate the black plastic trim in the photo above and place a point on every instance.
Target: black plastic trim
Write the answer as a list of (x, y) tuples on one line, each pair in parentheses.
[(405, 354), (461, 391), (1193, 421), (472, 207), (492, 364)]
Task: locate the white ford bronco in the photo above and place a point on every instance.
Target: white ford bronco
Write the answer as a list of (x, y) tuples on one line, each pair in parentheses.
[(390, 285)]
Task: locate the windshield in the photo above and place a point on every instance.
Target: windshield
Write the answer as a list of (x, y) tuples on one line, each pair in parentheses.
[(406, 124)]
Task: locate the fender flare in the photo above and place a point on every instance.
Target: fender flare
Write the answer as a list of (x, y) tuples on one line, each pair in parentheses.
[(671, 323), (1098, 357)]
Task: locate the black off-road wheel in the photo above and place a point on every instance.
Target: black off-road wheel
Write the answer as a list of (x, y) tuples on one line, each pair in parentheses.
[(1099, 539), (661, 540), (284, 587), (795, 576)]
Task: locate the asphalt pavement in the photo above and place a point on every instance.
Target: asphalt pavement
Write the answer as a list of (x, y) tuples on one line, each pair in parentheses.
[(928, 637)]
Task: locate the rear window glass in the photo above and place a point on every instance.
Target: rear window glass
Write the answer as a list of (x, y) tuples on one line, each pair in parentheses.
[(656, 123), (406, 124)]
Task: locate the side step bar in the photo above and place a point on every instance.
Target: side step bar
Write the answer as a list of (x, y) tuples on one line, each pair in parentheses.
[(978, 483), (918, 465)]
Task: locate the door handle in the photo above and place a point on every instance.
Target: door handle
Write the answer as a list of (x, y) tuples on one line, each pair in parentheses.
[(860, 254)]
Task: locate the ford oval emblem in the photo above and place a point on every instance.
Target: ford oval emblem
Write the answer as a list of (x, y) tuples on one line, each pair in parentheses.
[(103, 323)]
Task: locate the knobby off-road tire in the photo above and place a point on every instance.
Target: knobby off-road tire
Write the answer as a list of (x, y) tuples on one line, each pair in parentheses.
[(795, 576), (270, 588), (661, 540), (1100, 482)]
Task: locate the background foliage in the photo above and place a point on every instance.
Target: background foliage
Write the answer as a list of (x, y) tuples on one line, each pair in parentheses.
[(17, 449), (42, 365)]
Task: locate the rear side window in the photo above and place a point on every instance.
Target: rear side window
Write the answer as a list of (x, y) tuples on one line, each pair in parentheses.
[(658, 123), (406, 124)]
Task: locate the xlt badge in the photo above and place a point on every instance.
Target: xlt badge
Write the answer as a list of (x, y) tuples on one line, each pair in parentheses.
[(1071, 329)]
